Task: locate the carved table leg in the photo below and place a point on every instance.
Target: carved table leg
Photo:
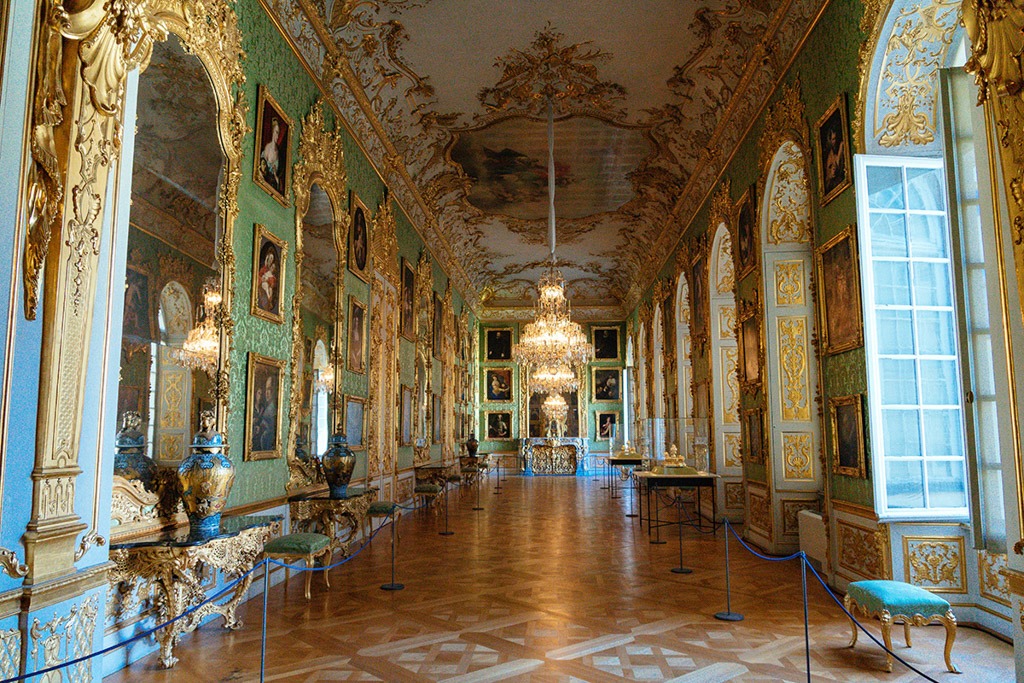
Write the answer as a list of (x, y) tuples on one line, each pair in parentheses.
[(886, 620), (906, 631), (949, 621), (848, 604)]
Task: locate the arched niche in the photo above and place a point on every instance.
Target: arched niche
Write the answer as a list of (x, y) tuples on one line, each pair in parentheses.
[(423, 404), (658, 363), (725, 442), (321, 233), (684, 365)]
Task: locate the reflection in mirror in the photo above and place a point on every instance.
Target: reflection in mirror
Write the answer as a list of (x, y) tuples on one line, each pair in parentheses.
[(318, 313), (171, 276)]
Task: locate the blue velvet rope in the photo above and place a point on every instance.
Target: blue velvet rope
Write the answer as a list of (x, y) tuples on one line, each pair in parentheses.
[(221, 593), (803, 558)]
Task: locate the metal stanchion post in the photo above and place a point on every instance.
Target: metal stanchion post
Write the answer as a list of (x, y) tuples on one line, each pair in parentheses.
[(728, 614), (446, 531), (263, 636), (678, 502), (657, 540), (497, 489), (614, 474), (807, 632), (392, 586), (479, 484), (604, 475), (631, 482)]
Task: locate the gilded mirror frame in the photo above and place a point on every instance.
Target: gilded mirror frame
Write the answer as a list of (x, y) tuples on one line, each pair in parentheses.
[(422, 401), (321, 162)]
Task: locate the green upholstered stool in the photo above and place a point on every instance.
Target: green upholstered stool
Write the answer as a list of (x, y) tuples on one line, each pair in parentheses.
[(294, 547), (426, 493), (380, 508), (896, 600)]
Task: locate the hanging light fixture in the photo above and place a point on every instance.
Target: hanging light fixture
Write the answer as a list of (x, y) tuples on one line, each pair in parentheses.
[(548, 379), (555, 408), (325, 380), (201, 349), (553, 343)]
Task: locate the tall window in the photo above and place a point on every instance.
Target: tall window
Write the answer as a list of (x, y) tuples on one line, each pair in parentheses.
[(915, 399)]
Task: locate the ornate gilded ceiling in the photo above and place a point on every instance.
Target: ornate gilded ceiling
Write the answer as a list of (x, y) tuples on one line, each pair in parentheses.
[(449, 99)]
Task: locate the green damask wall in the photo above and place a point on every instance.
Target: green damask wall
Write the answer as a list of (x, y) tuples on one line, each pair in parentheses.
[(825, 67), (272, 63)]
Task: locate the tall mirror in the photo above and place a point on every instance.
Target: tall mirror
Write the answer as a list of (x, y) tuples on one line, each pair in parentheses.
[(321, 233), (171, 344)]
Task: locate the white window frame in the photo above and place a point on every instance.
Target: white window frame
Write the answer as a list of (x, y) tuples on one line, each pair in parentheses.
[(878, 462)]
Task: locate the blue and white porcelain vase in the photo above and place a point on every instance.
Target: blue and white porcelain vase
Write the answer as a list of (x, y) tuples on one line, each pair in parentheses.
[(130, 459), (206, 477), (338, 461)]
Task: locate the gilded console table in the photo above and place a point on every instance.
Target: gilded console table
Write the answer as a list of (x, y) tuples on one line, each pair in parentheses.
[(437, 473), (337, 518), (554, 456), (170, 563)]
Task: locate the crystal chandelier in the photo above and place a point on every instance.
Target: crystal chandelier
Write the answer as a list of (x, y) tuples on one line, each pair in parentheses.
[(553, 341), (548, 379), (325, 380), (555, 408), (201, 349)]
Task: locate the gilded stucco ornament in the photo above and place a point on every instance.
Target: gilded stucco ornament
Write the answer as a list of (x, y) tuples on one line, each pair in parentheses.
[(322, 163)]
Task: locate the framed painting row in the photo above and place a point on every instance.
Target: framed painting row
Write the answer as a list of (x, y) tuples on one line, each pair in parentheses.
[(605, 339)]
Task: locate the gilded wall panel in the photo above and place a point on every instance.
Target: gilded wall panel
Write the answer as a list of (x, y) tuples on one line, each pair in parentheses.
[(10, 652), (937, 563), (992, 583), (760, 510), (725, 279), (734, 495), (727, 322), (64, 638), (790, 201), (733, 449), (789, 283), (791, 514), (795, 385), (858, 550), (731, 386), (798, 463)]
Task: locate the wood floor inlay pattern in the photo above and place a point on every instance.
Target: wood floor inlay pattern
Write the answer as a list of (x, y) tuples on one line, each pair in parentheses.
[(552, 583)]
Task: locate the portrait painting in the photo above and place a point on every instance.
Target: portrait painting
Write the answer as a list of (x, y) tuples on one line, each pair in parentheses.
[(750, 348), (359, 241), (498, 383), (499, 425), (407, 314), (356, 360), (753, 434), (607, 384), (832, 140), (436, 418), (438, 325), (606, 343), (746, 232), (137, 322), (406, 435), (263, 407), (847, 423), (606, 423), (499, 344), (269, 252), (355, 422), (838, 275), (272, 156)]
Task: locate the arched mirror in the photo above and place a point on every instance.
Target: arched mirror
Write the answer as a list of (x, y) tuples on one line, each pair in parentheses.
[(172, 349)]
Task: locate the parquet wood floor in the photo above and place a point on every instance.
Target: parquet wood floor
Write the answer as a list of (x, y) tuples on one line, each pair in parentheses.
[(551, 582)]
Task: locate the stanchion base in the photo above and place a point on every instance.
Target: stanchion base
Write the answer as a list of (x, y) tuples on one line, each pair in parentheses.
[(605, 488), (658, 542), (616, 498), (393, 587), (681, 570), (631, 514), (728, 616), (445, 533), (478, 508), (497, 492)]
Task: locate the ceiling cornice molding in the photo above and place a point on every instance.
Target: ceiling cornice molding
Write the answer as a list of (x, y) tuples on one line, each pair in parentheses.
[(729, 133), (357, 115)]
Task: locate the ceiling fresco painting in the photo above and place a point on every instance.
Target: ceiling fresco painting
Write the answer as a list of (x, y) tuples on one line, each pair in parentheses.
[(449, 100)]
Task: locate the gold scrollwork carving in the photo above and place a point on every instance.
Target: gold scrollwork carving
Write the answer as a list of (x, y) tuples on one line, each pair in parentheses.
[(789, 283), (938, 564), (10, 652), (796, 456), (796, 405), (73, 631), (992, 582)]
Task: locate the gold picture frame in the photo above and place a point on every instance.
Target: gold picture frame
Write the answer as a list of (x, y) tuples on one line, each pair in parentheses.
[(269, 253), (746, 250), (498, 425), (837, 275), (751, 347), (846, 420), (601, 336), (754, 436), (263, 394), (602, 427), (498, 343), (832, 146), (272, 154), (355, 422), (407, 302), (498, 385), (359, 240), (602, 390), (356, 345)]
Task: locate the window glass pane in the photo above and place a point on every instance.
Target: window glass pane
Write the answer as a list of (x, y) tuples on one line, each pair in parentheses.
[(888, 234), (902, 435), (935, 333), (885, 187), (984, 374), (927, 236), (972, 231), (977, 298), (946, 487), (895, 331), (968, 178), (904, 484), (924, 189), (892, 283), (899, 381), (943, 434), (939, 384), (931, 284)]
